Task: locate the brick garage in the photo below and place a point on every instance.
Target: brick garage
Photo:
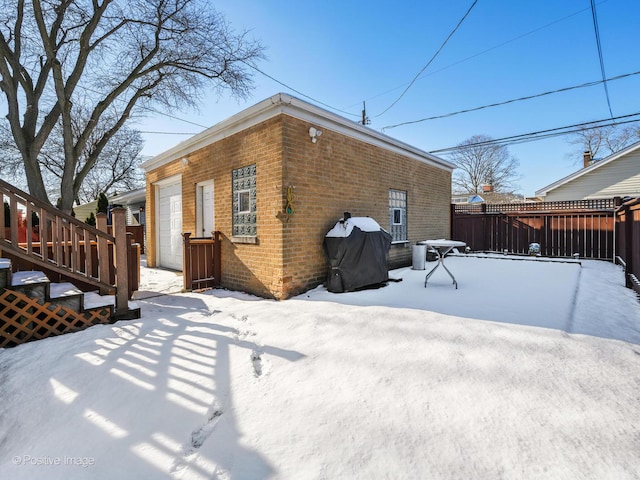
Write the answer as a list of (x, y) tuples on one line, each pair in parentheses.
[(268, 146)]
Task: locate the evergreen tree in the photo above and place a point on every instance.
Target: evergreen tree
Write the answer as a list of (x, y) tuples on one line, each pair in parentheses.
[(103, 203)]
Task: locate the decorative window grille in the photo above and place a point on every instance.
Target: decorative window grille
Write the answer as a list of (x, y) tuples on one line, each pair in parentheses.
[(398, 215), (244, 201)]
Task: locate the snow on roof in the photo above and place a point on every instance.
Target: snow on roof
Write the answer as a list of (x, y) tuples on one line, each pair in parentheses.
[(344, 227)]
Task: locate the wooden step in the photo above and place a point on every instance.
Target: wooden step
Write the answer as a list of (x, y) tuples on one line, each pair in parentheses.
[(93, 300), (32, 284), (5, 272), (67, 295)]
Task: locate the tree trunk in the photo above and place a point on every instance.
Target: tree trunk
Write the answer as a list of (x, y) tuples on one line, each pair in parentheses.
[(34, 176)]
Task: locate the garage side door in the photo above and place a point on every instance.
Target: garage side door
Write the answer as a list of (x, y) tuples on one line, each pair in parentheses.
[(170, 226)]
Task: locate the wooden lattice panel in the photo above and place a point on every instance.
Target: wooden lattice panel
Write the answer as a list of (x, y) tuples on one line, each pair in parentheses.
[(23, 319)]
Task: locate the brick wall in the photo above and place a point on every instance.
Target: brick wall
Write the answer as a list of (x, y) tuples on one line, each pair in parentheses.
[(255, 268), (338, 174), (334, 175)]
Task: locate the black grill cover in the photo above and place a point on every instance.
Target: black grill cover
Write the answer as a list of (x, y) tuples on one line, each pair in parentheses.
[(357, 260)]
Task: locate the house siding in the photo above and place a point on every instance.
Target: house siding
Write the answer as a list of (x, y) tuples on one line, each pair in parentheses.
[(338, 173), (619, 178)]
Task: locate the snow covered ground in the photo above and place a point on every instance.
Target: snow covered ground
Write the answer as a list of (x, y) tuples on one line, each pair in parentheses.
[(530, 369)]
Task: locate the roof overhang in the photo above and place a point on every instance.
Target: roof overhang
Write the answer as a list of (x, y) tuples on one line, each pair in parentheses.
[(283, 103), (134, 196)]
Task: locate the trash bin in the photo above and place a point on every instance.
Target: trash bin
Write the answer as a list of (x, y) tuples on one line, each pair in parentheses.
[(419, 256)]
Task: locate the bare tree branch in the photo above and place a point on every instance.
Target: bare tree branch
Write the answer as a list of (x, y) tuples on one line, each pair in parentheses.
[(479, 165), (603, 141), (62, 59)]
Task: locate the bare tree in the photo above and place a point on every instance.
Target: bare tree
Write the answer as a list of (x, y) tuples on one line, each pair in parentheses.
[(479, 162), (603, 141), (110, 58), (116, 169)]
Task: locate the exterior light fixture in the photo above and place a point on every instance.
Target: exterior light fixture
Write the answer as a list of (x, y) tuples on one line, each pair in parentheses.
[(314, 133)]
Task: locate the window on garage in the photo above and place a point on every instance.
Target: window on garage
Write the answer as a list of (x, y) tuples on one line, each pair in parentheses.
[(398, 215), (244, 202)]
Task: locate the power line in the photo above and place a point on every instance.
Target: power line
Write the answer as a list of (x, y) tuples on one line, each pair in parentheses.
[(167, 133), (551, 132), (298, 91), (495, 47), (431, 60), (143, 107), (600, 57), (506, 102)]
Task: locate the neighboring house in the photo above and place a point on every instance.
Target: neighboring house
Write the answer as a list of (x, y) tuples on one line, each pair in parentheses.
[(135, 203), (84, 210), (274, 179), (466, 198), (487, 197), (617, 175)]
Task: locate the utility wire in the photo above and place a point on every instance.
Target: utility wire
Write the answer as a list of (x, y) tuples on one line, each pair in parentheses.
[(298, 91), (551, 132), (600, 57), (148, 109), (506, 102), (431, 60), (495, 47), (167, 133)]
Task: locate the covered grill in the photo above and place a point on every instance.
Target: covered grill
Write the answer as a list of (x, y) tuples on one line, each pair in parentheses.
[(357, 249)]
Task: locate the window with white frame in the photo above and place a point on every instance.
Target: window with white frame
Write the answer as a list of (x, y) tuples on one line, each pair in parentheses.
[(244, 201), (398, 215)]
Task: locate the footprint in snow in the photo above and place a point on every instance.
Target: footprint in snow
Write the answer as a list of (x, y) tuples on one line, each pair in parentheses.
[(260, 365)]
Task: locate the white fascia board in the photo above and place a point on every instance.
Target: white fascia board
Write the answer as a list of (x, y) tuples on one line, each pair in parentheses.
[(134, 196), (323, 118), (583, 171), (294, 107)]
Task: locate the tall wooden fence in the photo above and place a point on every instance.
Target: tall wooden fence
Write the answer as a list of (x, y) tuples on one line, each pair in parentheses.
[(601, 229), (628, 241), (562, 229)]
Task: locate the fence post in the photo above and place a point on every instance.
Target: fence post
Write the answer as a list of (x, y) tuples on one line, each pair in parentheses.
[(217, 259), (628, 246), (452, 213), (133, 263), (103, 252), (186, 262), (118, 216)]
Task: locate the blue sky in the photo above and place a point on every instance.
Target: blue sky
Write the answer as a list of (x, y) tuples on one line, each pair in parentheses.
[(344, 52)]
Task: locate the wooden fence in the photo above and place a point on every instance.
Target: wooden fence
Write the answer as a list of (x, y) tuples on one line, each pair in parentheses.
[(600, 229), (628, 241), (201, 262), (585, 228), (562, 229)]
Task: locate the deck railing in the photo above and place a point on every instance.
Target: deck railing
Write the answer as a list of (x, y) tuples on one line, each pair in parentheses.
[(58, 243)]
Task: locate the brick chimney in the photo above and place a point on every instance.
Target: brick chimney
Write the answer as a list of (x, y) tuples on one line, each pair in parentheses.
[(487, 188), (587, 158)]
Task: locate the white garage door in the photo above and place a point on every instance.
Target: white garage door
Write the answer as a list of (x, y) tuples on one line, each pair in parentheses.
[(170, 226)]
